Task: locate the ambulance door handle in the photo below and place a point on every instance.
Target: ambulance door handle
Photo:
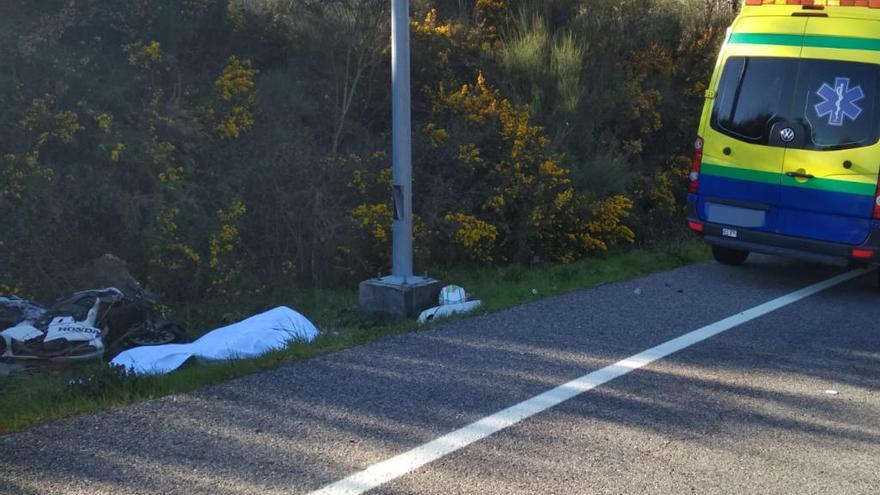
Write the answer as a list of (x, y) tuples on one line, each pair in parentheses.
[(800, 175)]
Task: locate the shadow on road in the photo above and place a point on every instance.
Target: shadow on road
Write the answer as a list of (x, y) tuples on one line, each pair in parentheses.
[(296, 428)]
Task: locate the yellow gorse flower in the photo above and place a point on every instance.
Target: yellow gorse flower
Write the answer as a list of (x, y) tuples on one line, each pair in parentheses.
[(236, 92), (143, 55)]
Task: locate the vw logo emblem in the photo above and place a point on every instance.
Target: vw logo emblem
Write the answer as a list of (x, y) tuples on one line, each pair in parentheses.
[(787, 135)]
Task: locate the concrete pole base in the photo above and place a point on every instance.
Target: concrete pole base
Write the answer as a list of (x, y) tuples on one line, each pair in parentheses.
[(396, 297)]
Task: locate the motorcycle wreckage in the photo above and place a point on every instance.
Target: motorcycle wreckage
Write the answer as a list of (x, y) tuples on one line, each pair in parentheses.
[(82, 326)]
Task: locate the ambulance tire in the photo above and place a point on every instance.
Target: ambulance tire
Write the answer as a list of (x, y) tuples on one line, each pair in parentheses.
[(727, 256)]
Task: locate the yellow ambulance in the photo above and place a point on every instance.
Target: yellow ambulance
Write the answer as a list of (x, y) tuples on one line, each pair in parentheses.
[(787, 157)]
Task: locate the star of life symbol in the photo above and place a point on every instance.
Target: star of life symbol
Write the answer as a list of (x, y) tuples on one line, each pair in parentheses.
[(839, 101)]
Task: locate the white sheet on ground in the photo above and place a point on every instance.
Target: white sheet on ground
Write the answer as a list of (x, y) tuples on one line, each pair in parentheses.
[(249, 338)]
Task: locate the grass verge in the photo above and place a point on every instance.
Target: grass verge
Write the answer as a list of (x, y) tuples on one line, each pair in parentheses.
[(27, 399)]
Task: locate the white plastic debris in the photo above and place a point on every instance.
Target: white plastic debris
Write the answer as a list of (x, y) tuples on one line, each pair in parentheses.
[(448, 310), (452, 294), (453, 300), (638, 291), (22, 332), (832, 392), (275, 329)]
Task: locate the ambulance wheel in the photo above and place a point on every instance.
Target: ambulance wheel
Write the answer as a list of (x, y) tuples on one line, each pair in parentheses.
[(727, 256)]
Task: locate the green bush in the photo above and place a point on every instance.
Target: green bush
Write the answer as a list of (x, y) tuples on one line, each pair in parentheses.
[(223, 147)]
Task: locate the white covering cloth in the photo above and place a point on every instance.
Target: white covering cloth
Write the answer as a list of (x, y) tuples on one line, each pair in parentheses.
[(249, 338)]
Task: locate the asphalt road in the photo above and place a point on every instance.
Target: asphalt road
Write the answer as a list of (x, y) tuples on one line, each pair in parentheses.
[(746, 411)]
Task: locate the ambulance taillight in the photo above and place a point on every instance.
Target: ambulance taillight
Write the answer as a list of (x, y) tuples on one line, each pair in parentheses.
[(697, 163), (862, 254)]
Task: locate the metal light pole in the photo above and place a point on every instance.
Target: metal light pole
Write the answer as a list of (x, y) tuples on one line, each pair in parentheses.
[(401, 147), (401, 294)]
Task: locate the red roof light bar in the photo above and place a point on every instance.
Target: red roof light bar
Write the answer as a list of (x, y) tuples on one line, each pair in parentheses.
[(818, 4)]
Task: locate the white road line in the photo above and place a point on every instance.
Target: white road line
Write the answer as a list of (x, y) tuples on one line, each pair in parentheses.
[(385, 471)]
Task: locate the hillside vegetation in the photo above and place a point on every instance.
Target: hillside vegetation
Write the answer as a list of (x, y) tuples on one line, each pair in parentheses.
[(227, 147)]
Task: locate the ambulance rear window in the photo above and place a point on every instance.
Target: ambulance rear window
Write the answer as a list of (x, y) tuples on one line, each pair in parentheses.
[(834, 104), (837, 103), (754, 93)]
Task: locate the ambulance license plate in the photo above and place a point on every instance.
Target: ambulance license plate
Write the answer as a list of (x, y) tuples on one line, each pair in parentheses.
[(728, 232)]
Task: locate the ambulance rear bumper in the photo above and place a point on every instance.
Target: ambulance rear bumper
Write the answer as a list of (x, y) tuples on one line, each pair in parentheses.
[(829, 253)]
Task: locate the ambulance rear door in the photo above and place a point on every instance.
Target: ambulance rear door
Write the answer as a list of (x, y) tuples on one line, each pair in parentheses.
[(831, 164)]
